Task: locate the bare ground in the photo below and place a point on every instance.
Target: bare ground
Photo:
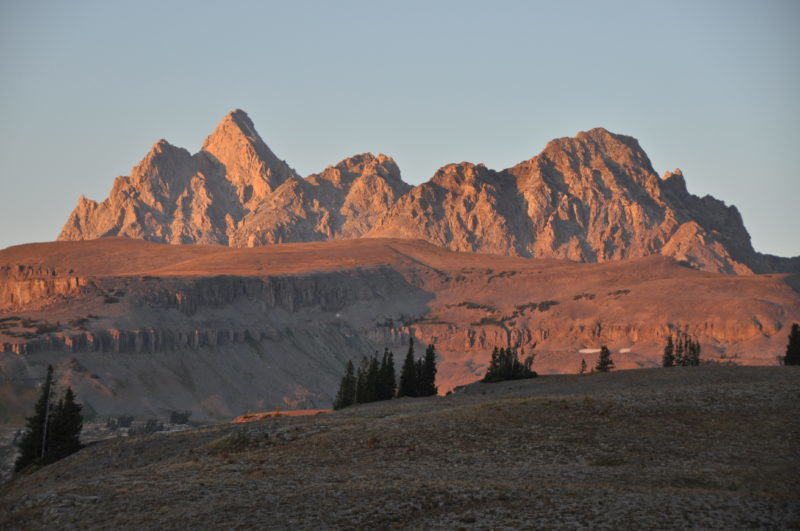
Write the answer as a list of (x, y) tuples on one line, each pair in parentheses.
[(707, 447)]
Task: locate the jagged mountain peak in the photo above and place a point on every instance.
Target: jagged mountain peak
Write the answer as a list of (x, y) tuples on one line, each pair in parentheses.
[(593, 197), (235, 125)]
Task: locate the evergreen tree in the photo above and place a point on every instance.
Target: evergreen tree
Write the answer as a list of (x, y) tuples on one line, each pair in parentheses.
[(33, 445), (792, 356), (680, 351), (54, 431), (604, 361), (362, 383), (583, 366), (505, 365), (426, 382), (692, 352), (669, 354), (408, 376), (347, 388), (65, 431), (373, 380), (387, 377)]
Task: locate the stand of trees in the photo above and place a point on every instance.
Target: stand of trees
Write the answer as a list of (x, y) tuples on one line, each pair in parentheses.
[(505, 365), (681, 351), (53, 432), (418, 376), (792, 356), (375, 380)]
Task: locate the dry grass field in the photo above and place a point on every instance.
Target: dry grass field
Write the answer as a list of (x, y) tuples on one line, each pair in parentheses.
[(708, 447)]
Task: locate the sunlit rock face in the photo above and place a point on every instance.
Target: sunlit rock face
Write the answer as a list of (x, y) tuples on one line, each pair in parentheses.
[(591, 198), (173, 196)]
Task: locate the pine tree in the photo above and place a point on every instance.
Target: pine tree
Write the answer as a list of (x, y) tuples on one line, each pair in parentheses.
[(583, 366), (604, 361), (31, 447), (669, 354), (373, 380), (680, 351), (505, 365), (54, 431), (426, 384), (347, 388), (66, 429), (692, 352), (793, 348), (408, 376), (361, 381), (387, 377)]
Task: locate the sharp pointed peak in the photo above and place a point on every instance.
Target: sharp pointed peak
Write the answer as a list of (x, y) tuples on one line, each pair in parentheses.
[(238, 116), (236, 123)]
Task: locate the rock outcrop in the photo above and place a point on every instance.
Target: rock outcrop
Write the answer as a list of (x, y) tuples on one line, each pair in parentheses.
[(344, 201), (591, 198)]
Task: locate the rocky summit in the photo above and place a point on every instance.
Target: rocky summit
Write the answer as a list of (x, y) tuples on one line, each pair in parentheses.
[(591, 198)]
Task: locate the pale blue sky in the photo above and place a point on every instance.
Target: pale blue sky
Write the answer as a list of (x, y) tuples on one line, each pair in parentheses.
[(711, 87)]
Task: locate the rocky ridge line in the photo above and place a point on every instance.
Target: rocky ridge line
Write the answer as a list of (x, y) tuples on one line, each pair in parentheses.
[(591, 198)]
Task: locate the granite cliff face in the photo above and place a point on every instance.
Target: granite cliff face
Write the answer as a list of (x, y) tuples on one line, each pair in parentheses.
[(592, 198)]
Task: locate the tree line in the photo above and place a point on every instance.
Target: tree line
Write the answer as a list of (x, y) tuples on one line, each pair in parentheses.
[(375, 379)]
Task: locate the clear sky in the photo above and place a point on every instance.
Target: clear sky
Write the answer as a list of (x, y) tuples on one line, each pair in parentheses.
[(711, 87)]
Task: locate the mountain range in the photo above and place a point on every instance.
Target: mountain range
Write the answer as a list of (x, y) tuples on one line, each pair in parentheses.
[(581, 246), (591, 198)]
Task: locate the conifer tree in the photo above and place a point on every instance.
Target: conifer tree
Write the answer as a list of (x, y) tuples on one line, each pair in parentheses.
[(426, 383), (347, 388), (387, 376), (32, 446), (65, 431), (692, 352), (505, 365), (792, 356), (680, 351), (669, 354), (373, 380), (604, 361), (408, 375), (54, 431), (361, 381), (583, 366)]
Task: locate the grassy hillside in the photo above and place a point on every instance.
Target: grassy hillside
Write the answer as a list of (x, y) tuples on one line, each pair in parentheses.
[(708, 447)]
